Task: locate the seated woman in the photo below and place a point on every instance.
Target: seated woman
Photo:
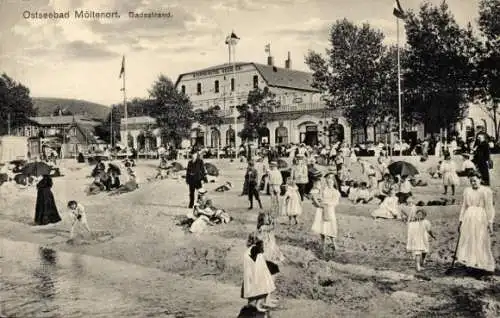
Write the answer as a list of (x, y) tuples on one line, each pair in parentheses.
[(96, 186), (389, 208), (353, 192), (128, 186), (384, 187), (364, 194), (405, 189)]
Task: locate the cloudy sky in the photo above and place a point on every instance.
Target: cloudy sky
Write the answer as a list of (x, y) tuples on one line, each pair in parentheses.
[(81, 58)]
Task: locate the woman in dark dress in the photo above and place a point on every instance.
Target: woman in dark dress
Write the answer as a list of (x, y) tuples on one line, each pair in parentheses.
[(195, 175), (482, 158), (46, 210)]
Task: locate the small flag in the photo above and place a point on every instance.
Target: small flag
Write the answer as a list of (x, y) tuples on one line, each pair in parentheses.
[(232, 39), (122, 70), (398, 10), (268, 48)]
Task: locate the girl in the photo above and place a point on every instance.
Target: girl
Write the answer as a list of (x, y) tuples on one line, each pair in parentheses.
[(265, 230), (405, 189), (353, 192), (389, 208), (275, 181), (419, 230), (325, 200), (292, 203), (449, 174), (408, 210), (300, 175), (384, 187), (258, 282)]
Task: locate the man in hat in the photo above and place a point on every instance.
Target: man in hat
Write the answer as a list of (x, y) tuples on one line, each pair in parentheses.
[(195, 175)]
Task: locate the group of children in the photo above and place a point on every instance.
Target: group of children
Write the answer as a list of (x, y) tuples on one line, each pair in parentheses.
[(204, 213)]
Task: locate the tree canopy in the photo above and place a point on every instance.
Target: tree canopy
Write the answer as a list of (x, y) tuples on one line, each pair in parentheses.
[(357, 74), (256, 112), (439, 71), (15, 104)]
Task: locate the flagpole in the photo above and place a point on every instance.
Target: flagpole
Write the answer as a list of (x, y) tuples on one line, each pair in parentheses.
[(111, 127), (399, 86), (125, 106), (235, 99)]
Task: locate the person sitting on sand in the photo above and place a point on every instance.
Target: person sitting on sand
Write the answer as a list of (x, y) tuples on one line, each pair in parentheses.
[(384, 187), (225, 187), (78, 218), (468, 167), (353, 192), (405, 189), (128, 186), (389, 208), (258, 281), (96, 186), (99, 168), (419, 230), (364, 194)]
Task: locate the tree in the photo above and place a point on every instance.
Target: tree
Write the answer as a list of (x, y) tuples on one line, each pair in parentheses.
[(357, 73), (256, 112), (440, 69), (113, 121), (488, 87), (172, 109), (15, 104)]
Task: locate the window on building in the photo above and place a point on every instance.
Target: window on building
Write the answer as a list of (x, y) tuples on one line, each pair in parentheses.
[(183, 89), (216, 86), (232, 84), (255, 81), (73, 132), (198, 88), (358, 136)]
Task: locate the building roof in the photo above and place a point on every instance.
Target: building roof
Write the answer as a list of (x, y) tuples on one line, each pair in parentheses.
[(63, 120), (273, 75), (139, 120)]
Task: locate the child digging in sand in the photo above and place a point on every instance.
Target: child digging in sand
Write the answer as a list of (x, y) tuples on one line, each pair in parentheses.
[(419, 230), (78, 218)]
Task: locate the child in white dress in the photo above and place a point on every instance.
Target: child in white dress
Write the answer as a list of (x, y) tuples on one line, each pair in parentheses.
[(419, 230), (353, 192), (292, 204), (265, 230), (325, 200), (449, 174), (389, 208)]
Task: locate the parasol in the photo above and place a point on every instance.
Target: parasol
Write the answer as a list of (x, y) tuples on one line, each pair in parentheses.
[(402, 168), (36, 169)]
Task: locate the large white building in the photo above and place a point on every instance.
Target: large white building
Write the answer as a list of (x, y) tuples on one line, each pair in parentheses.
[(299, 115)]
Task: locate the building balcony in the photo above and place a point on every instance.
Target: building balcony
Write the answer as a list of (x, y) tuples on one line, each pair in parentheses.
[(282, 108)]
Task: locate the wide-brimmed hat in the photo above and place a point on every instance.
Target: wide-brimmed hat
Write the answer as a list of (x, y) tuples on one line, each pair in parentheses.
[(202, 191), (299, 156), (273, 163)]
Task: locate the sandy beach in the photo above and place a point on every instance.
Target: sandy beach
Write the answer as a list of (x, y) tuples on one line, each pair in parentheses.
[(371, 274)]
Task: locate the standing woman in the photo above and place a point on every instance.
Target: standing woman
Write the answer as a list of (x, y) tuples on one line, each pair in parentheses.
[(482, 158), (195, 174), (46, 209), (476, 226), (325, 221), (300, 175)]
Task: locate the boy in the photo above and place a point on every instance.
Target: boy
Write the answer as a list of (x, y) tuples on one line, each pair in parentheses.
[(78, 217)]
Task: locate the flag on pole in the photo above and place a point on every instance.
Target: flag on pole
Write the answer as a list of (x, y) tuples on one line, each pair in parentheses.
[(232, 39), (268, 48), (122, 70), (398, 10)]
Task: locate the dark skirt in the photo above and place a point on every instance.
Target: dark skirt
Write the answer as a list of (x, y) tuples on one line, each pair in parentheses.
[(46, 209)]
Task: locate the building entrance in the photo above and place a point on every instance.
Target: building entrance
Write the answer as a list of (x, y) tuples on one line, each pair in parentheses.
[(310, 136)]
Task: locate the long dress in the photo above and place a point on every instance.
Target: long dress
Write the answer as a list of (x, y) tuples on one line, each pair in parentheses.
[(449, 173), (291, 202), (330, 197), (388, 209), (474, 247), (46, 209), (257, 279)]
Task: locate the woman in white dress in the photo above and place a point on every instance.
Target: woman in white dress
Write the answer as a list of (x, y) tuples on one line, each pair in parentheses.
[(326, 199), (476, 226), (449, 174)]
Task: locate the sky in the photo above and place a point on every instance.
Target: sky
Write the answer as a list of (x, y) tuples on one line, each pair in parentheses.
[(81, 59)]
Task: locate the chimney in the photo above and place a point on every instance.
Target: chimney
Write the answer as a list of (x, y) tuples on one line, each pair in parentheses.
[(270, 61), (288, 62)]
